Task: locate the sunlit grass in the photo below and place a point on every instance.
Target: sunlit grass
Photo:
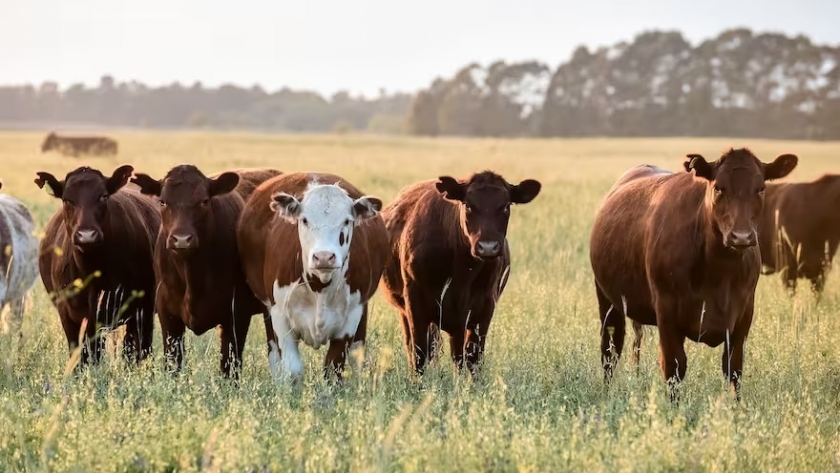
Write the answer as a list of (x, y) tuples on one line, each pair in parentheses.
[(540, 404)]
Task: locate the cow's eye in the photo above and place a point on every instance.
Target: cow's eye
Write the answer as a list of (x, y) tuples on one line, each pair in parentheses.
[(718, 190), (468, 208), (163, 203), (305, 221), (103, 197), (761, 191), (347, 222), (205, 201), (506, 209), (67, 203)]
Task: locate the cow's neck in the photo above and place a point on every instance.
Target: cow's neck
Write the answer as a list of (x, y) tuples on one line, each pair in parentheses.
[(90, 260)]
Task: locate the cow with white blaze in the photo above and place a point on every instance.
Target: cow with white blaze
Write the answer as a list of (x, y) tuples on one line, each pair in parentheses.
[(313, 248)]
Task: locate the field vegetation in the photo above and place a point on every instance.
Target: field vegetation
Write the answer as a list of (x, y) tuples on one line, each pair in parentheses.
[(540, 403)]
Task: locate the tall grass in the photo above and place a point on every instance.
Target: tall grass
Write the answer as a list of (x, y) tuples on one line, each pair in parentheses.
[(540, 403)]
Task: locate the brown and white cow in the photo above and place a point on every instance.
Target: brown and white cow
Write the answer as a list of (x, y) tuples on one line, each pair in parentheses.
[(76, 145), (18, 260), (313, 248), (197, 265), (679, 251), (450, 261), (96, 259)]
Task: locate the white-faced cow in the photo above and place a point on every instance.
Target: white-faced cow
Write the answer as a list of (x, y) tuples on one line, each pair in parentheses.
[(313, 249)]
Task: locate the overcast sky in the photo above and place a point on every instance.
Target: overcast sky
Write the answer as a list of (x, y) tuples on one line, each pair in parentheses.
[(327, 45)]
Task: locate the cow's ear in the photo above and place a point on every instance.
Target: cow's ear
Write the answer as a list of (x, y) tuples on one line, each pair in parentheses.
[(366, 207), (118, 179), (54, 187), (147, 184), (525, 191), (451, 188), (225, 183), (700, 166), (781, 167), (286, 206)]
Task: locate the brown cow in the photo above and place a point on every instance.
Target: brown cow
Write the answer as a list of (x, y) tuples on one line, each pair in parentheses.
[(313, 248), (450, 261), (96, 259), (197, 265), (76, 145), (679, 252), (800, 230)]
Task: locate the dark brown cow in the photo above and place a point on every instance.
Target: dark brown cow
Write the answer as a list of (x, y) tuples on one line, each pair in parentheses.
[(800, 230), (197, 265), (76, 145), (102, 239), (450, 261), (679, 252), (313, 248)]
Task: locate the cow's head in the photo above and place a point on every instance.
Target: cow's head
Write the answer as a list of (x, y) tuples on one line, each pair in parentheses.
[(485, 200), (50, 142), (325, 218), (85, 194), (735, 191), (185, 195)]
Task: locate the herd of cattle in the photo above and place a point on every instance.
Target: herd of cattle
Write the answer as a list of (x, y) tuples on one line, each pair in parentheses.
[(681, 251)]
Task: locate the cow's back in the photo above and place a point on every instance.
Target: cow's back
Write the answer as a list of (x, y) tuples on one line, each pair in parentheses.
[(270, 246), (250, 179)]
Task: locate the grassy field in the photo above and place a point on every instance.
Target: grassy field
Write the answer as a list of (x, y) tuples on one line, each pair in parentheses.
[(540, 404)]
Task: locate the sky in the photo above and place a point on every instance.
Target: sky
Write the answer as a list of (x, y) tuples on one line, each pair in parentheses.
[(359, 46)]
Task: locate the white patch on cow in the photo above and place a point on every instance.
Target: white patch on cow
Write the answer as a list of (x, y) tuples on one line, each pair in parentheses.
[(315, 318), (19, 277)]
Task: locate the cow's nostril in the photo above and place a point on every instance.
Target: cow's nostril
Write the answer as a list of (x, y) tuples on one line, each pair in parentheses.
[(488, 248)]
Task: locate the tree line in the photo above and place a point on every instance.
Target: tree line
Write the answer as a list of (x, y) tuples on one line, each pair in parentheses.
[(737, 84), (132, 104)]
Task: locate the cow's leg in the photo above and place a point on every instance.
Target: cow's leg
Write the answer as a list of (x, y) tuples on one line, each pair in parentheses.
[(14, 320), (288, 361), (612, 333), (72, 330), (137, 343), (476, 338), (672, 357), (94, 343), (272, 343), (732, 361), (788, 268), (146, 327), (232, 344), (419, 307), (339, 348), (172, 330), (639, 332)]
